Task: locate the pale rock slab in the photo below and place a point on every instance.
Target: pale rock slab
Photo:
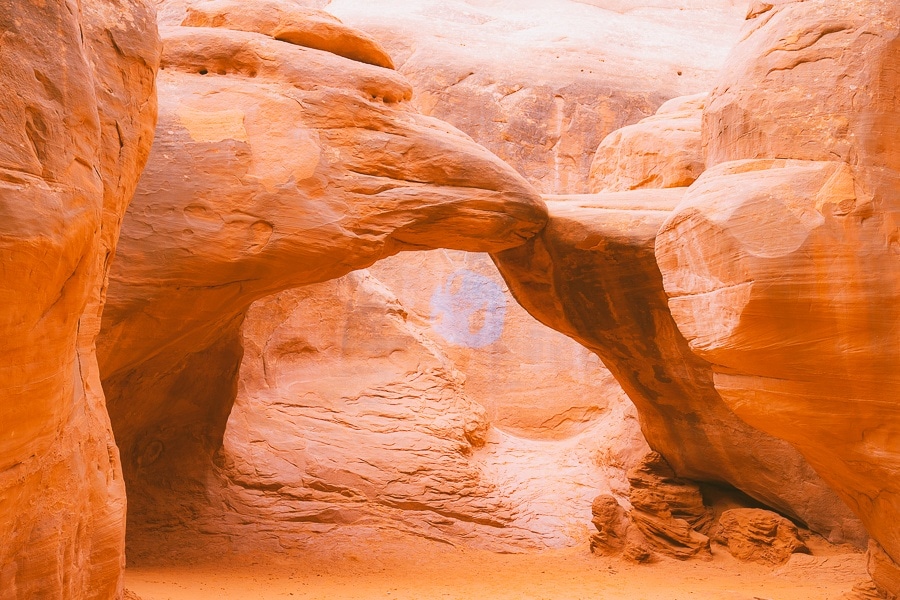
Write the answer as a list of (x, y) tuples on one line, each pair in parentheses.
[(540, 83), (662, 151)]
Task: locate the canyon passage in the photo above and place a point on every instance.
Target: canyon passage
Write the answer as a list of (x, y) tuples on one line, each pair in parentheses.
[(449, 299)]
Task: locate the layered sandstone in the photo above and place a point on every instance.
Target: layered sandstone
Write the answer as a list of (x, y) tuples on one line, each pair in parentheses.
[(77, 90), (668, 510), (780, 263), (276, 165), (753, 534)]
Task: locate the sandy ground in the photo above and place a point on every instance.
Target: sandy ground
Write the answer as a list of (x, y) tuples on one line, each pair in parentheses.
[(419, 570)]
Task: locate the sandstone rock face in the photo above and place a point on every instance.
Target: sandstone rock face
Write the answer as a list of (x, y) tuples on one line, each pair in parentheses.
[(352, 421), (753, 534), (780, 263), (667, 516), (541, 83), (662, 151), (667, 510), (77, 90), (592, 274), (276, 165)]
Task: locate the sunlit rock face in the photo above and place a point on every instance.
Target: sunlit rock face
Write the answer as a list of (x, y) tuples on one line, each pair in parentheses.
[(541, 83), (282, 159), (529, 383), (781, 262), (77, 91)]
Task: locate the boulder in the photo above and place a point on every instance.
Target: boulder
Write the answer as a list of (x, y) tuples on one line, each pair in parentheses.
[(757, 535), (662, 151)]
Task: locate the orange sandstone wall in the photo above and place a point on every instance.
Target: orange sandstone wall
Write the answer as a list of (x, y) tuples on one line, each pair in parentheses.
[(79, 105)]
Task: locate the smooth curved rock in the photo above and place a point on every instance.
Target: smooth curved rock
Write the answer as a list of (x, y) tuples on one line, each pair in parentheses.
[(592, 274), (662, 151), (781, 263), (276, 165), (77, 90)]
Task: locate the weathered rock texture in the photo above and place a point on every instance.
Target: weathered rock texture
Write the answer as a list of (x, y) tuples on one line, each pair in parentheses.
[(541, 83), (667, 515), (667, 510), (351, 420), (616, 534), (276, 165), (781, 262), (592, 274), (753, 534), (77, 91)]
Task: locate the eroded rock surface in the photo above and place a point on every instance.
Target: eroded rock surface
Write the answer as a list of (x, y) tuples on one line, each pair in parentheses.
[(534, 382), (669, 511), (781, 264), (276, 165), (662, 151), (77, 91), (352, 420)]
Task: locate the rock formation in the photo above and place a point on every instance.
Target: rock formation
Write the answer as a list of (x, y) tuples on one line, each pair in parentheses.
[(534, 382), (780, 263), (540, 83), (275, 165), (661, 151), (753, 534), (78, 98), (616, 535), (592, 274), (667, 510), (667, 516)]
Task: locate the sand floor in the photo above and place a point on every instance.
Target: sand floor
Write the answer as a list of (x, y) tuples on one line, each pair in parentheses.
[(422, 571)]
